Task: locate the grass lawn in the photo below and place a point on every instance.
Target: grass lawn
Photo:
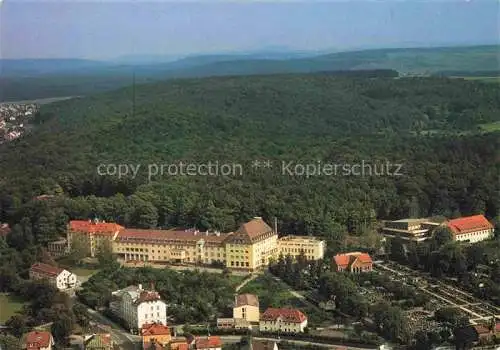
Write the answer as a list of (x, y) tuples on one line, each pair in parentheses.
[(80, 271), (9, 305)]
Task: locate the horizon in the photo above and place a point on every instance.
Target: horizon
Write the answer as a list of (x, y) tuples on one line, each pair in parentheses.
[(102, 32)]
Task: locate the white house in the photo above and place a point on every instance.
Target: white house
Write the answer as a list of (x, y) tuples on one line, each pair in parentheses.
[(282, 320), (59, 278), (137, 306)]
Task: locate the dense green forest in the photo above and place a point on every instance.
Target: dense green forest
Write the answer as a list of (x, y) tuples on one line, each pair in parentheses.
[(431, 126)]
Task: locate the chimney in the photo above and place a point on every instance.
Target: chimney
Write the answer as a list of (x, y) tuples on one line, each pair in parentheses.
[(275, 225), (152, 285), (206, 233), (140, 286)]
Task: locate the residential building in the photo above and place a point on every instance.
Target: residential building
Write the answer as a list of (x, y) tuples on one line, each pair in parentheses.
[(261, 345), (57, 277), (208, 343), (282, 320), (353, 262), (137, 306), (93, 233), (246, 307), (251, 246), (100, 341), (58, 248), (155, 333), (414, 230), (313, 248), (236, 323), (39, 340), (471, 229)]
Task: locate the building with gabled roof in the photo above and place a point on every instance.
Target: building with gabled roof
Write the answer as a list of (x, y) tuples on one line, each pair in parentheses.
[(155, 333), (255, 344), (138, 307), (39, 340), (471, 229), (57, 277), (99, 341), (208, 343), (282, 320), (252, 246), (353, 262), (93, 233), (246, 307)]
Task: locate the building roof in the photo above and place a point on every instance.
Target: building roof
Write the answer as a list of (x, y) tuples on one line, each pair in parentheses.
[(288, 315), (41, 339), (263, 344), (138, 294), (180, 235), (252, 231), (469, 224), (46, 269), (99, 227), (247, 299), (208, 342), (99, 341), (153, 346), (346, 259), (149, 329)]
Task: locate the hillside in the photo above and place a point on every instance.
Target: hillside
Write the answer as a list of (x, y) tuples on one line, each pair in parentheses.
[(429, 125), (80, 77)]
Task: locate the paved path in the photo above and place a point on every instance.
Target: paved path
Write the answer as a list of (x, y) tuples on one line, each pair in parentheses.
[(244, 283)]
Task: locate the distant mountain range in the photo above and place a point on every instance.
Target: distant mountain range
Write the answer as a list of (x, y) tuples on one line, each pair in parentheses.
[(78, 76)]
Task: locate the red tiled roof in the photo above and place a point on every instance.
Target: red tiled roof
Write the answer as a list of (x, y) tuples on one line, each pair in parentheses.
[(344, 260), (254, 228), (89, 226), (147, 295), (288, 315), (153, 346), (469, 224), (208, 342), (38, 339), (168, 235), (183, 346), (154, 329), (46, 269), (247, 299), (497, 327)]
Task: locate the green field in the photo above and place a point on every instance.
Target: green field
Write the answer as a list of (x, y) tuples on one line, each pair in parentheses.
[(9, 306), (79, 271)]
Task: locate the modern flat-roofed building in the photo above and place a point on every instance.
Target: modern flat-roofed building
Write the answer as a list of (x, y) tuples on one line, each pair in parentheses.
[(415, 230), (313, 247), (471, 229)]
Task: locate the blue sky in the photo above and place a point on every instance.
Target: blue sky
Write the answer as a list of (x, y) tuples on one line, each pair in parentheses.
[(108, 29)]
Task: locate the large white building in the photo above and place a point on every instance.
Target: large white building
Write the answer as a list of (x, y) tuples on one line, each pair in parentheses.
[(313, 248), (471, 229), (415, 230), (57, 277), (282, 320), (137, 306)]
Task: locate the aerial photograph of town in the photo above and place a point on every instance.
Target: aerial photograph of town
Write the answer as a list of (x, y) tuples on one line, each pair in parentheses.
[(256, 175)]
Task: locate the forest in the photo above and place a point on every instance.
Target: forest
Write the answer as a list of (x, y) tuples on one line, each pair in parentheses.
[(429, 125)]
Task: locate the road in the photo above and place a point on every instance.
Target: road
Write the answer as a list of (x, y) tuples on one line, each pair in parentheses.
[(120, 336)]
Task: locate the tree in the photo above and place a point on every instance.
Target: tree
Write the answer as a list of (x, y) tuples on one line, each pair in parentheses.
[(442, 235), (397, 252), (9, 342), (105, 254), (17, 325), (62, 327)]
